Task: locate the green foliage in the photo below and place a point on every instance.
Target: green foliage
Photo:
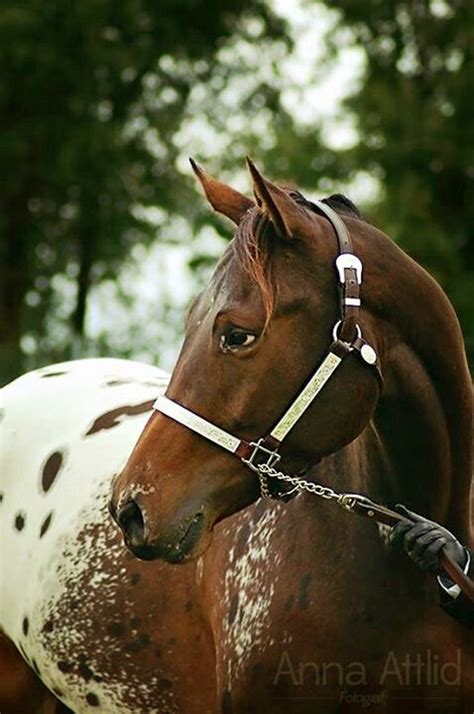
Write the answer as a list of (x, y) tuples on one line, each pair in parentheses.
[(413, 114), (100, 102), (91, 94)]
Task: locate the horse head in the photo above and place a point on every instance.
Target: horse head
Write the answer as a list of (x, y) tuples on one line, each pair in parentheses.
[(253, 338)]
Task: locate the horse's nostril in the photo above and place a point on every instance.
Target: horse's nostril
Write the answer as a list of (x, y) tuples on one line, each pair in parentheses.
[(130, 520)]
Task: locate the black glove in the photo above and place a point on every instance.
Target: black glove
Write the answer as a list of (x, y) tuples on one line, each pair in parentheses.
[(423, 539)]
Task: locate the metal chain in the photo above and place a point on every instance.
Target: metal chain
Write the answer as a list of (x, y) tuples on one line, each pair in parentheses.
[(265, 471), (349, 501)]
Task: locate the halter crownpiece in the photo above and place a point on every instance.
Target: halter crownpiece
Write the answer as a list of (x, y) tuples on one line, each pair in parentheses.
[(262, 455)]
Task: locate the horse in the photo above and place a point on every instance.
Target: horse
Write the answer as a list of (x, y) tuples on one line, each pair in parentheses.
[(83, 616), (305, 603), (238, 602)]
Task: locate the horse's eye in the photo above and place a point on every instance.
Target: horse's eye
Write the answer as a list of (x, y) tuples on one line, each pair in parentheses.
[(235, 340)]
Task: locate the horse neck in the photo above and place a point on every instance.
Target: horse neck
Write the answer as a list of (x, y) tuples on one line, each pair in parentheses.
[(424, 417)]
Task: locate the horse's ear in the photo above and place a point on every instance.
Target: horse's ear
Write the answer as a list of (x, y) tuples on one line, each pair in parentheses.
[(222, 198), (288, 218)]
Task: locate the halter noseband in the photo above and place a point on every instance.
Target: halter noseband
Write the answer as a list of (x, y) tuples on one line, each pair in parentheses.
[(262, 455)]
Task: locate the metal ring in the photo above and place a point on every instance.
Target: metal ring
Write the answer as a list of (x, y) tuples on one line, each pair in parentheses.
[(336, 327)]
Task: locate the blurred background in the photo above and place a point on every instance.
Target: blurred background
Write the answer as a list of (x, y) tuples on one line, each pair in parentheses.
[(104, 236)]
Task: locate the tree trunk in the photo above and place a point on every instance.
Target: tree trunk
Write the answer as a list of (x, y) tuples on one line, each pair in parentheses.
[(87, 232), (14, 279)]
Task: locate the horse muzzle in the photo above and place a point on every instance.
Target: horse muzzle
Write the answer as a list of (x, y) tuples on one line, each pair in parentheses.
[(177, 544)]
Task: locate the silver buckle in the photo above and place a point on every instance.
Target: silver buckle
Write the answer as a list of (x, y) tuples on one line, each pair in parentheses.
[(346, 261), (348, 501), (272, 457)]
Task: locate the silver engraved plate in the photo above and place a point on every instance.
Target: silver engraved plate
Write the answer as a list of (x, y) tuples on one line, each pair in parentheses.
[(211, 432), (305, 398), (196, 423)]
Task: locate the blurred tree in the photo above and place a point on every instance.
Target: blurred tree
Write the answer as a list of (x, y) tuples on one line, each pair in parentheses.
[(100, 103), (90, 97), (413, 112)]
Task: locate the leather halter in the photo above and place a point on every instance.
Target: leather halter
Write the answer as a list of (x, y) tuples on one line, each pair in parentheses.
[(347, 338), (262, 454)]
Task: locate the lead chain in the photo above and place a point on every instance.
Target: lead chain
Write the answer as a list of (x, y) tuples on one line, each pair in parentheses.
[(264, 471)]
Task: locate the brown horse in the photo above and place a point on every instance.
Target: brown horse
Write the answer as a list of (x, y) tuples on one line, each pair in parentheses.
[(302, 606)]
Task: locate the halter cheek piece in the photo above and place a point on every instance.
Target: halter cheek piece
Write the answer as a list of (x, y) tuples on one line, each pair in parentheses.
[(262, 455)]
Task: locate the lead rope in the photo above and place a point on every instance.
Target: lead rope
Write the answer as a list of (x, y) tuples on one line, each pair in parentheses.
[(363, 506)]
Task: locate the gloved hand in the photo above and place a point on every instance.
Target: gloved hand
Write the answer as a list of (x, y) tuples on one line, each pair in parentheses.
[(423, 539)]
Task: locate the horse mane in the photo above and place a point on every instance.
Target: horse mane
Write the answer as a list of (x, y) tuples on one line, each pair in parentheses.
[(341, 204), (254, 240)]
